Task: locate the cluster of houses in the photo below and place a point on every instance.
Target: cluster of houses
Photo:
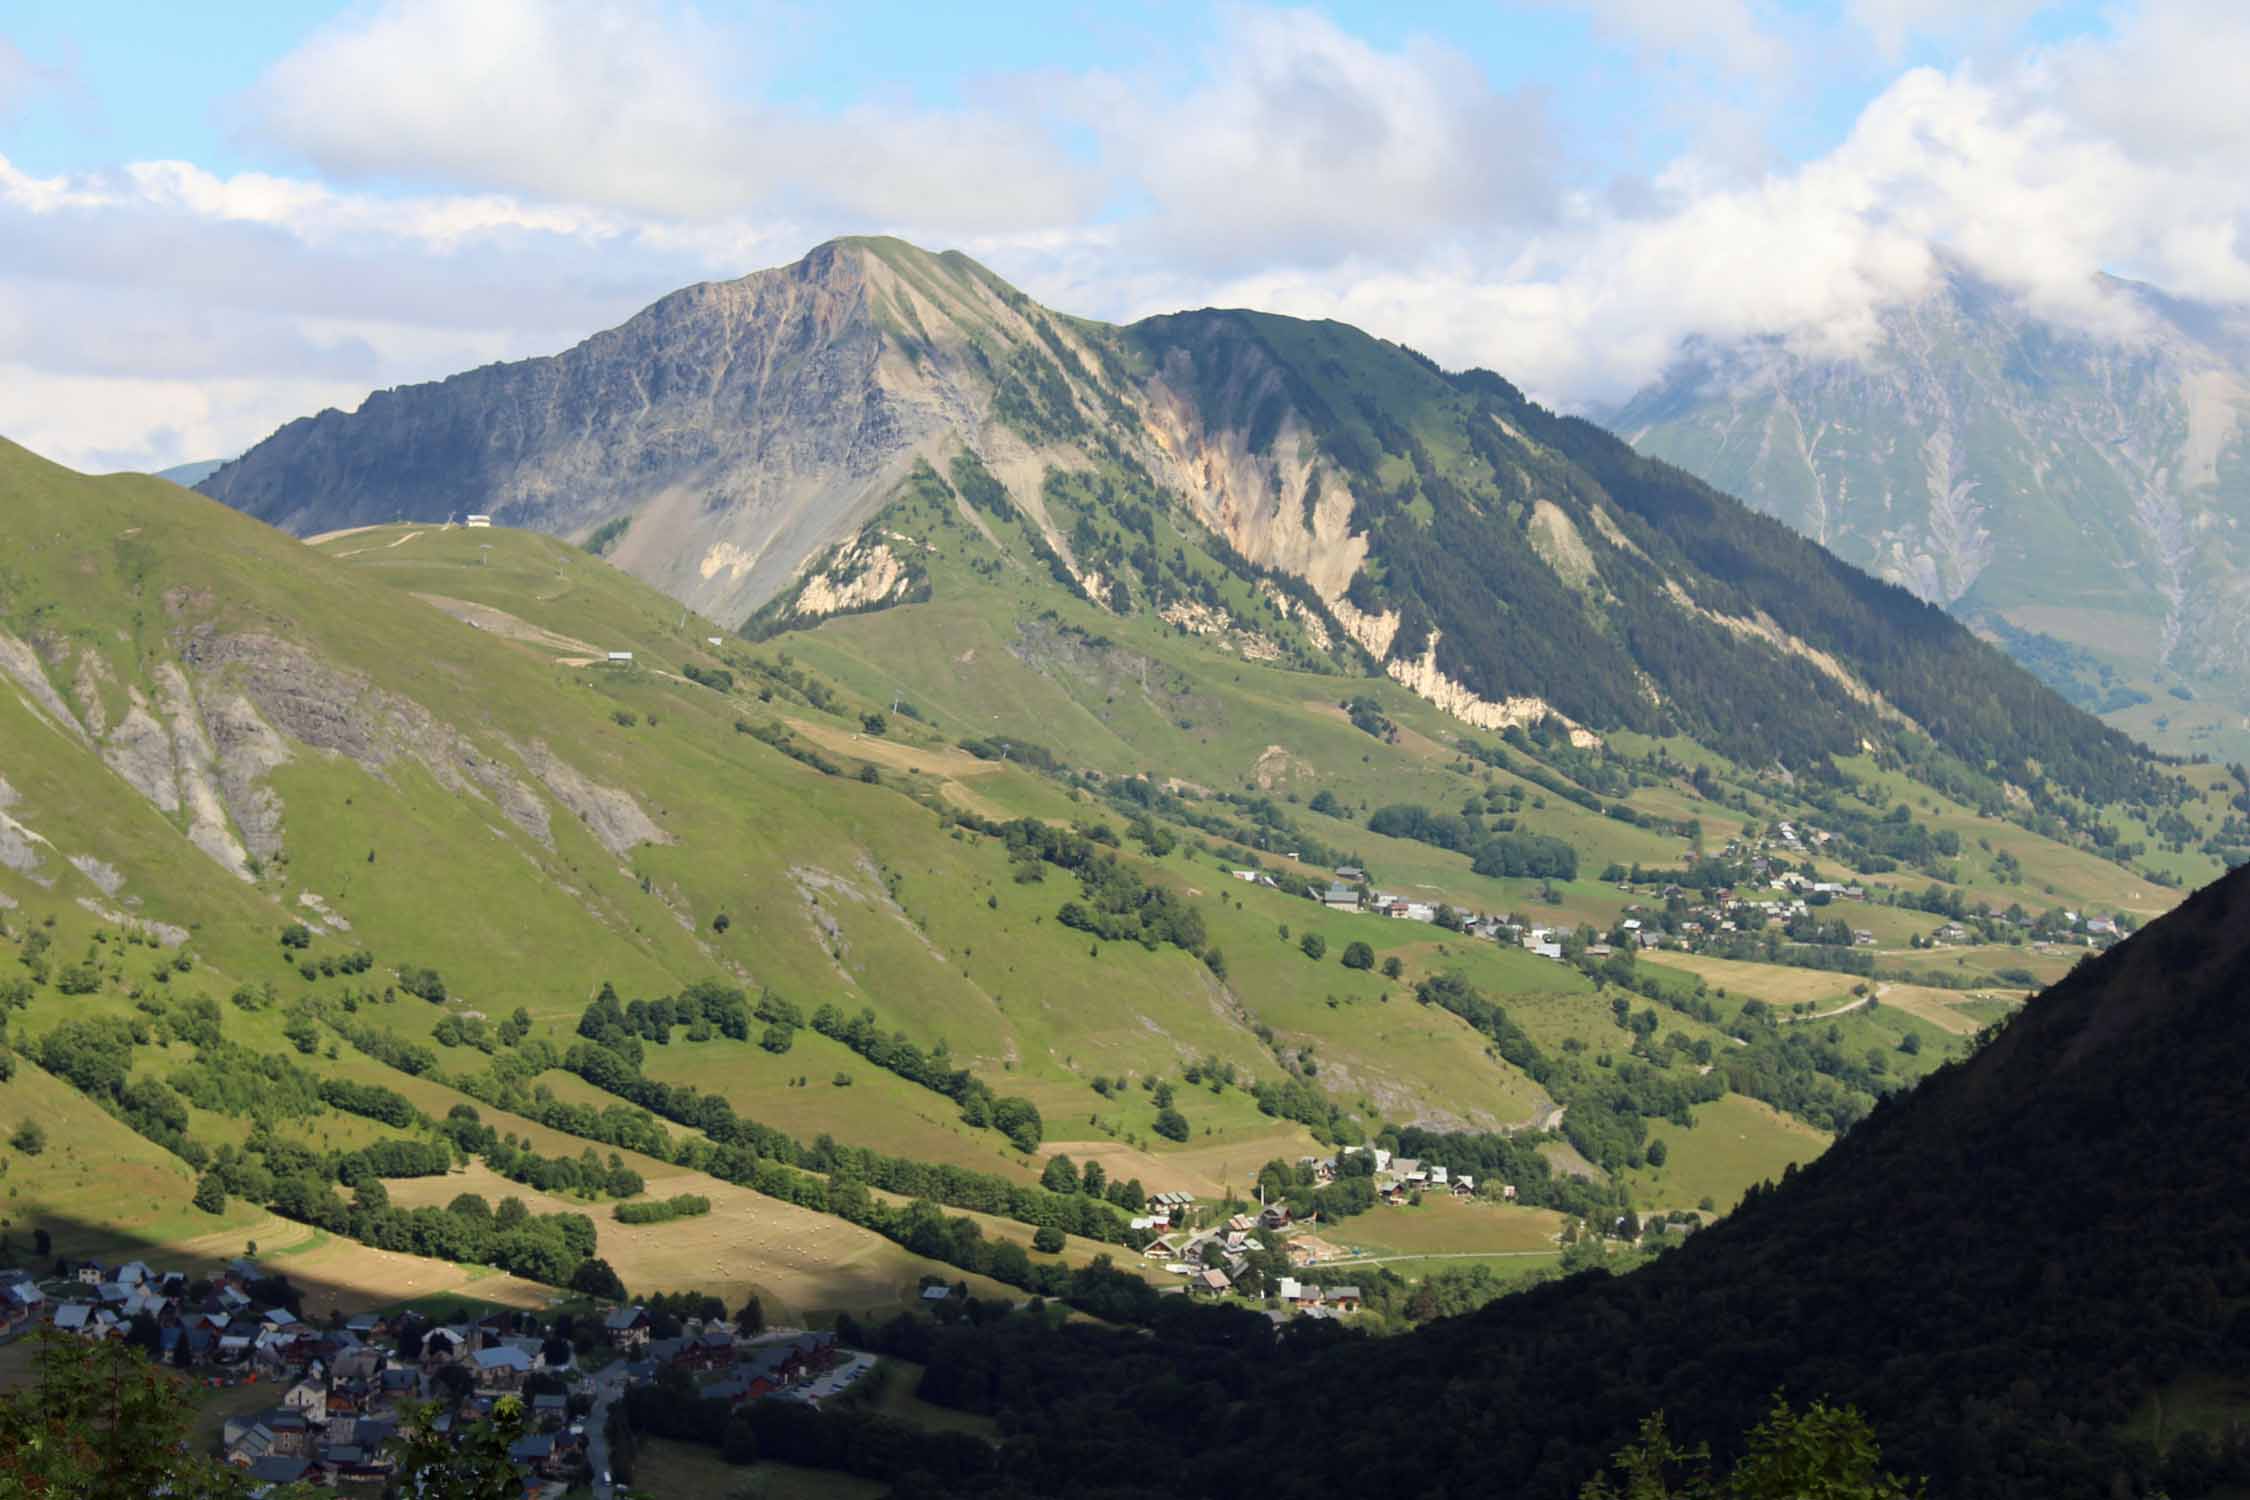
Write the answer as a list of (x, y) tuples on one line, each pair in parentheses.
[(1345, 893), (1399, 1178), (339, 1388), (219, 1321), (1724, 912), (1165, 1210), (739, 1369), (1211, 1259), (1308, 1301)]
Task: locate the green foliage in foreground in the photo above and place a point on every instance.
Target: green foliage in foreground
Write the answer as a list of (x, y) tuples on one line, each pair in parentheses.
[(1821, 1453), (104, 1422)]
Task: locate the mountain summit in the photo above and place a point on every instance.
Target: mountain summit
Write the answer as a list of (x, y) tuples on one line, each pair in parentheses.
[(1298, 490), (740, 424)]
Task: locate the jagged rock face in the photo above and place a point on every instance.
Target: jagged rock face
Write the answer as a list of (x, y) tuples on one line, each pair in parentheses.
[(2031, 477), (739, 424), (741, 444)]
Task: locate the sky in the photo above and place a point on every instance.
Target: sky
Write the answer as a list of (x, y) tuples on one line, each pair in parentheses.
[(216, 219)]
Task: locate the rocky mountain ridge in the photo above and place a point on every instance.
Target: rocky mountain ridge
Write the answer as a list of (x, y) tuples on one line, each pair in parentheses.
[(1319, 493)]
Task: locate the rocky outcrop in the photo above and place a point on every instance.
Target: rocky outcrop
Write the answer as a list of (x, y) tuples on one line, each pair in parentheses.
[(1422, 676), (613, 817), (22, 849), (743, 425)]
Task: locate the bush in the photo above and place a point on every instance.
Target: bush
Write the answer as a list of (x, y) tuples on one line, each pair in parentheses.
[(1358, 956), (682, 1206), (1171, 1124), (1047, 1240), (426, 983), (1315, 946), (30, 1138)]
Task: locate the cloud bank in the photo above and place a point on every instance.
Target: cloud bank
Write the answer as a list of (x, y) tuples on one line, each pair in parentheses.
[(467, 182)]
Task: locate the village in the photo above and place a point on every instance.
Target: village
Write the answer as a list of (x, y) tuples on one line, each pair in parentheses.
[(1220, 1258), (340, 1389), (1767, 893)]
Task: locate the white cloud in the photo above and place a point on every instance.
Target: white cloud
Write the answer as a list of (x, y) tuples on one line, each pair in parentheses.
[(640, 110), (1895, 25), (74, 419), (502, 179), (1733, 34), (1306, 143)]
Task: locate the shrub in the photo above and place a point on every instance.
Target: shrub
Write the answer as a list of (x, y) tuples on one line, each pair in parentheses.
[(427, 983), (1358, 956), (1315, 946)]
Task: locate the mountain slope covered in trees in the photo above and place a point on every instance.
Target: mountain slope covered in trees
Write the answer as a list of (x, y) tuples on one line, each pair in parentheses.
[(2006, 1271)]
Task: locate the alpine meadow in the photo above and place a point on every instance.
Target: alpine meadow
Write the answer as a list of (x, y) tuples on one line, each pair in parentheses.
[(855, 884)]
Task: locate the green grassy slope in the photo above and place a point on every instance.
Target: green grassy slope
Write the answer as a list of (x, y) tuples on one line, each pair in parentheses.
[(416, 738)]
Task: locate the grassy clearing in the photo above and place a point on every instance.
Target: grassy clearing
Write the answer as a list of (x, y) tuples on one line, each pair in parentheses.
[(878, 1109), (2196, 1402), (806, 1266), (2045, 962), (1736, 1142), (1985, 1012), (688, 1471), (1941, 1008), (900, 1379), (1775, 984), (97, 1187), (210, 1408), (1444, 1225)]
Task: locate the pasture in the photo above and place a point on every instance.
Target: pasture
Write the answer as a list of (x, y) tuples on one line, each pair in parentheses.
[(1776, 984), (667, 1470), (1445, 1225), (1736, 1141)]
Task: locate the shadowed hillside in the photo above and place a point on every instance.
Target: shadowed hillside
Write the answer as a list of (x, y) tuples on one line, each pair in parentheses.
[(2007, 1271)]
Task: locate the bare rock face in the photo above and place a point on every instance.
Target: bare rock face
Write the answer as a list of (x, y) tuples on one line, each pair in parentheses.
[(740, 425)]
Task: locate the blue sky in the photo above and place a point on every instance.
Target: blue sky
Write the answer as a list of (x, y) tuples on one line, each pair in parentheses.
[(214, 219), (149, 80)]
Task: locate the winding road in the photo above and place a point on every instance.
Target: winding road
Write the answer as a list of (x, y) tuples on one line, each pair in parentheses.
[(1861, 1002)]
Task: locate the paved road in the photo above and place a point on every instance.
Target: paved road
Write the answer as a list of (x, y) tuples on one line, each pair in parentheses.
[(608, 1386)]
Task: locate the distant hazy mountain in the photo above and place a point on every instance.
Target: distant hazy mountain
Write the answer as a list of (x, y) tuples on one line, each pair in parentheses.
[(2079, 498), (192, 474)]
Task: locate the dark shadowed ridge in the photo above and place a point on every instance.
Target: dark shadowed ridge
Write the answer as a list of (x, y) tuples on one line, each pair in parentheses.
[(2000, 1269)]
